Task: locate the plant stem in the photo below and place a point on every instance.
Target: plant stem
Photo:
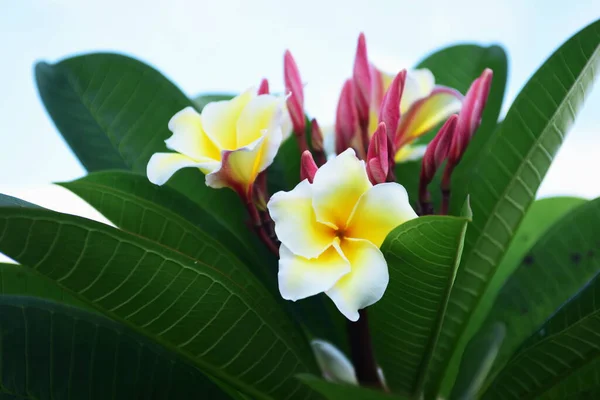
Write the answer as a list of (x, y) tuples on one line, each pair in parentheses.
[(445, 186), (259, 227), (361, 351)]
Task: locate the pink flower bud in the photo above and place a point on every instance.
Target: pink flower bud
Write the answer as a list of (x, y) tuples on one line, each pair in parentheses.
[(308, 167), (361, 79), (469, 117), (378, 164), (316, 135), (264, 87), (437, 150), (293, 86), (389, 111), (346, 120)]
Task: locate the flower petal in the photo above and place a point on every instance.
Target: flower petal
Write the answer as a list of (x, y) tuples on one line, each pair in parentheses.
[(219, 119), (418, 84), (427, 113), (410, 152), (381, 209), (189, 138), (301, 277), (162, 166), (366, 282), (337, 186), (296, 225), (334, 364), (238, 169), (261, 113)]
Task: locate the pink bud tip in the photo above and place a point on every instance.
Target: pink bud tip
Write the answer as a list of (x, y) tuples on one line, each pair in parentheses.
[(316, 135), (377, 157), (437, 150), (293, 86), (264, 87), (389, 111), (470, 114), (308, 167), (346, 121), (362, 81)]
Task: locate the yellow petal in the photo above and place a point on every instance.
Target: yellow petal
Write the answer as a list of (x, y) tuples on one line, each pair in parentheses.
[(238, 169), (261, 113), (301, 277), (427, 113), (337, 186), (418, 84), (189, 138), (219, 120), (162, 166), (366, 282), (410, 153), (379, 210), (296, 225)]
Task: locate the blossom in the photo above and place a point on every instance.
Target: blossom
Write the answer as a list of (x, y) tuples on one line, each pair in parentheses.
[(231, 141), (423, 105), (331, 230)]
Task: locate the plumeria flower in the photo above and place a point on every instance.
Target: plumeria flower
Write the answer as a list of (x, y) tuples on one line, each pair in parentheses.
[(331, 228), (231, 141), (423, 105)]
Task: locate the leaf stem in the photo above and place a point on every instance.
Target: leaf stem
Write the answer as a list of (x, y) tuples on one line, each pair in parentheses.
[(361, 351)]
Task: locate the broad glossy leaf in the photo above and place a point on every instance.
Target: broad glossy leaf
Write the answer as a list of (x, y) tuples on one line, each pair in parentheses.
[(508, 174), (571, 338), (582, 384), (113, 112), (52, 351), (163, 215), (333, 391), (208, 310), (422, 256)]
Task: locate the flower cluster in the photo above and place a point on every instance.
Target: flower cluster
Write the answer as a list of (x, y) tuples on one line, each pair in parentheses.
[(329, 228)]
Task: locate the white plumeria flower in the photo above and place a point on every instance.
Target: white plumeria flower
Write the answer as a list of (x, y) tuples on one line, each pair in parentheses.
[(331, 230), (231, 142)]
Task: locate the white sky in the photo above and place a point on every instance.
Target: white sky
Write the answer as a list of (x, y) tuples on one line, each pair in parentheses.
[(223, 45)]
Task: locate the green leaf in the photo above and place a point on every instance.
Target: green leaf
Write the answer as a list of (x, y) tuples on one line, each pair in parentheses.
[(507, 176), (583, 383), (48, 350), (333, 391), (482, 351), (113, 112), (163, 215), (457, 67), (202, 100), (208, 310), (561, 263), (422, 256), (15, 280)]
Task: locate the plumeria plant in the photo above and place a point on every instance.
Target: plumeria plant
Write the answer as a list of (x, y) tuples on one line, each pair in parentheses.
[(248, 260)]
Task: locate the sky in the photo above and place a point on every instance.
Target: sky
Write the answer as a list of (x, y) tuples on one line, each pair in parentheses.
[(213, 46)]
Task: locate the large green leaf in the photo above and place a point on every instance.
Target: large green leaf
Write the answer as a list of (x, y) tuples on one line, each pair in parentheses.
[(113, 112), (333, 391), (457, 67), (563, 261), (51, 351), (206, 309), (583, 384), (422, 256), (568, 341), (507, 176), (163, 215)]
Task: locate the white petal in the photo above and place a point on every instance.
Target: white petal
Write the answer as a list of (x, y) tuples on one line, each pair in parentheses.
[(419, 84), (337, 186), (189, 138), (162, 166), (334, 364), (296, 225), (301, 277), (378, 211), (260, 114), (219, 119), (366, 282)]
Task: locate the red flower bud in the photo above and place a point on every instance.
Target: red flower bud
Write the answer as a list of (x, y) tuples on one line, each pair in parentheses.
[(264, 87), (378, 164), (437, 150), (389, 111), (316, 135), (308, 167), (361, 79), (293, 86), (346, 121)]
